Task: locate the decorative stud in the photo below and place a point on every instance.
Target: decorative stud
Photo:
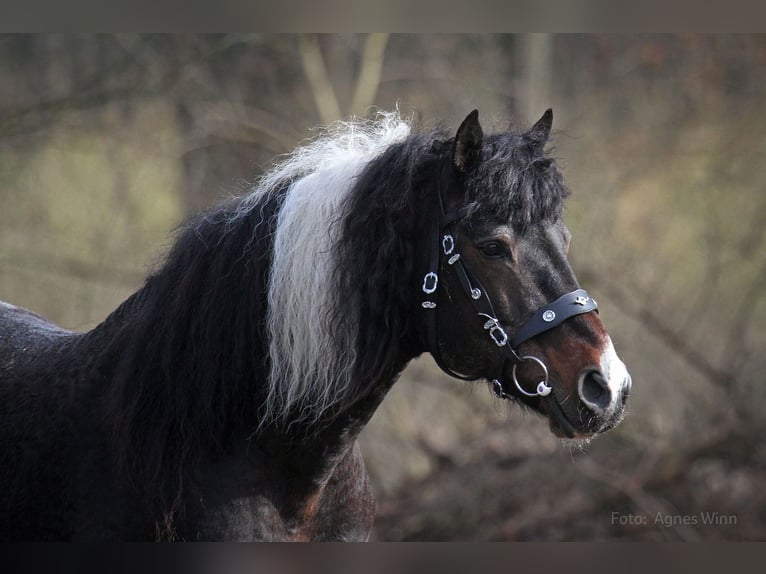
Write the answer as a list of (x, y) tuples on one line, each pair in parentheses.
[(475, 293), (581, 300), (549, 316)]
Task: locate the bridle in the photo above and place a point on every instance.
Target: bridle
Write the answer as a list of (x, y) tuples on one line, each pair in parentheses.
[(547, 317)]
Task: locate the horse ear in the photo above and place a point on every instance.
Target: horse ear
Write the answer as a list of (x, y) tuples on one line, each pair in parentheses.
[(538, 134), (467, 142)]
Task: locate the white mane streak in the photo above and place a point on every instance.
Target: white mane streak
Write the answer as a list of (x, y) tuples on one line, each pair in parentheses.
[(311, 367)]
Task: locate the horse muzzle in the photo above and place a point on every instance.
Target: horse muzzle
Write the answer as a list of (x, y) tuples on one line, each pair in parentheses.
[(602, 392)]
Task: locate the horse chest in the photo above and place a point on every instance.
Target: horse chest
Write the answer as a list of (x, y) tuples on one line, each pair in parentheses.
[(272, 505)]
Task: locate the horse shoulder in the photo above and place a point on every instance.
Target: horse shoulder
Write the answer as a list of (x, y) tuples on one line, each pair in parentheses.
[(252, 500), (344, 508)]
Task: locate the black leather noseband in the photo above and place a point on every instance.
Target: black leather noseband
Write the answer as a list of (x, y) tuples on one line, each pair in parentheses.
[(545, 318)]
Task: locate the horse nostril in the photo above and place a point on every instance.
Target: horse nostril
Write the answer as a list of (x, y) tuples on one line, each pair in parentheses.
[(594, 391)]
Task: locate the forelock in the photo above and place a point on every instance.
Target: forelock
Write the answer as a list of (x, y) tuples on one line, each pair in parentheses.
[(515, 182)]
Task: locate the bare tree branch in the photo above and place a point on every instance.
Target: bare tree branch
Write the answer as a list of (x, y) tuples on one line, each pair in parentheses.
[(316, 74), (693, 357), (72, 268), (91, 93), (634, 488), (369, 73), (537, 51), (744, 314), (244, 123)]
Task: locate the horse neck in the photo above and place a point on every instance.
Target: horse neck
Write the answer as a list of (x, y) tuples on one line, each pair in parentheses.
[(168, 373), (103, 345), (329, 455), (313, 452)]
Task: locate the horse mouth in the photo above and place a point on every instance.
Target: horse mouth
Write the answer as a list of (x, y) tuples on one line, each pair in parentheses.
[(558, 421), (561, 426)]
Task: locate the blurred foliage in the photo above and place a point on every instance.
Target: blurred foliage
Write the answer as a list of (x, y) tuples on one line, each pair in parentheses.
[(107, 142)]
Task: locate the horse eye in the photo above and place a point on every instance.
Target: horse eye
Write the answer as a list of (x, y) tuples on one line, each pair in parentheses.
[(492, 249)]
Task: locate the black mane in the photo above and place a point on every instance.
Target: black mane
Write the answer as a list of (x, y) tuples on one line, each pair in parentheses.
[(190, 349), (383, 217)]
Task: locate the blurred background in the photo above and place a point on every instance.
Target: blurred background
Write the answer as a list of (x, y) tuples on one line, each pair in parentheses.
[(109, 142)]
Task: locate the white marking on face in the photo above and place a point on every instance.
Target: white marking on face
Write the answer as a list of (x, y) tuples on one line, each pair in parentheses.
[(616, 373)]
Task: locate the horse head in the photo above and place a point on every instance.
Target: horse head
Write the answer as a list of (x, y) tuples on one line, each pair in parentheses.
[(500, 300)]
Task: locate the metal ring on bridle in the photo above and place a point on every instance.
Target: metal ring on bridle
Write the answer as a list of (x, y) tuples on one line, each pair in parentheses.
[(543, 389)]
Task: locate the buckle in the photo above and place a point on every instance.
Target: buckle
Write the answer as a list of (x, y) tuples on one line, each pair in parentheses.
[(448, 244), (430, 281), (496, 332)]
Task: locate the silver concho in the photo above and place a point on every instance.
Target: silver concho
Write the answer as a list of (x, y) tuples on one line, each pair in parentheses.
[(549, 316)]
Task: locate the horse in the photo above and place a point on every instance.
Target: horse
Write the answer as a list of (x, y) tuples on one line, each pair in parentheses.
[(223, 399)]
